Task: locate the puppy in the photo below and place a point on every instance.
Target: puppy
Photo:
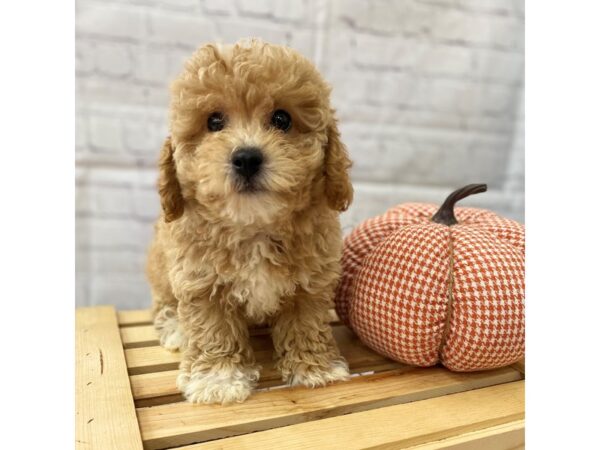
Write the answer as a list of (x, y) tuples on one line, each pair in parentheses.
[(251, 181)]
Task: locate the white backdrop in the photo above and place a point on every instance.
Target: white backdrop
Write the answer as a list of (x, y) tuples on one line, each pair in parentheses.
[(429, 95)]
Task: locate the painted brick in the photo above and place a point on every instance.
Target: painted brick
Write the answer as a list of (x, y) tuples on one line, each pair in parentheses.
[(123, 291), (428, 93), (255, 8), (232, 30), (106, 177), (392, 88), (105, 134), (518, 8), (103, 201), (493, 31), (179, 5), (500, 7), (110, 21), (113, 59), (219, 7), (429, 159), (303, 41), (444, 3), (118, 261), (83, 265), (96, 90), (145, 137), (471, 98), (103, 233), (147, 203), (413, 54), (181, 29), (382, 16), (153, 66), (84, 57), (390, 18), (82, 287), (157, 97), (294, 11), (80, 131), (499, 66)]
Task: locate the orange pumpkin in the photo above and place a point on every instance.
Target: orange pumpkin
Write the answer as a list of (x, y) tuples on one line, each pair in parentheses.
[(423, 287)]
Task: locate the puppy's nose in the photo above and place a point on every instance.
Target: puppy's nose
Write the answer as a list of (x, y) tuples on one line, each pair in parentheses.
[(247, 161)]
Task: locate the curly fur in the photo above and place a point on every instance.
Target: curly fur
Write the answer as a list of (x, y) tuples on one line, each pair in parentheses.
[(223, 259)]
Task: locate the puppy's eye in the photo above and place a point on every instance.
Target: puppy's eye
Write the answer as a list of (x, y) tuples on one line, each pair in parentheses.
[(281, 120), (216, 121)]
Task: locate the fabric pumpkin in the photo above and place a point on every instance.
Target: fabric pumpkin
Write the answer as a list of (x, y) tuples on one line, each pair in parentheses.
[(423, 287)]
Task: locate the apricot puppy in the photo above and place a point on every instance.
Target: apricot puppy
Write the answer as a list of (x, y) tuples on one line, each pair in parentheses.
[(251, 182)]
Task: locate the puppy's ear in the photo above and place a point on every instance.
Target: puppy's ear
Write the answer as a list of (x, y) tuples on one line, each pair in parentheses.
[(168, 186), (338, 188)]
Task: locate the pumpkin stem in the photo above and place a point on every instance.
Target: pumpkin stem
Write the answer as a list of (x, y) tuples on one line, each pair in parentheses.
[(445, 215)]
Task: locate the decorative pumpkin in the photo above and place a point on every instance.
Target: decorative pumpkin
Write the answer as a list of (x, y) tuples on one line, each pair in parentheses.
[(423, 287)]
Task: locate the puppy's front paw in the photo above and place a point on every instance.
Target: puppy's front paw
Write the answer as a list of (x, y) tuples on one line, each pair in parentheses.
[(218, 385), (314, 376), (174, 340), (170, 334)]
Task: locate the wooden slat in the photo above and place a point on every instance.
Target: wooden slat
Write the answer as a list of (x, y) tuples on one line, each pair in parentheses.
[(183, 423), (151, 359), (146, 336), (393, 427), (157, 359), (134, 317), (153, 368), (137, 330), (507, 436), (105, 413), (139, 336), (159, 388)]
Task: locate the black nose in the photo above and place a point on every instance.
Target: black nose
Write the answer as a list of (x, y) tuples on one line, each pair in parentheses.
[(246, 161)]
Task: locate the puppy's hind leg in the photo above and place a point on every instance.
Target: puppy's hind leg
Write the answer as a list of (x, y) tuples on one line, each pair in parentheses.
[(164, 303), (167, 325)]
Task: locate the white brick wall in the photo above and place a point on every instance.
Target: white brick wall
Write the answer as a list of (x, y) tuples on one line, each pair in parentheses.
[(429, 94)]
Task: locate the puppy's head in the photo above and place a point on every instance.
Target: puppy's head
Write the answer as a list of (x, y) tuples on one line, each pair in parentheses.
[(253, 137)]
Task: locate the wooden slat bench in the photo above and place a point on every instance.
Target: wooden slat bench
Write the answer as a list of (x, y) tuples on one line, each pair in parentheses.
[(126, 398)]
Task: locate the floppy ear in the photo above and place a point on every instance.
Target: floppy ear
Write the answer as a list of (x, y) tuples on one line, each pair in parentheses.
[(168, 186), (338, 188)]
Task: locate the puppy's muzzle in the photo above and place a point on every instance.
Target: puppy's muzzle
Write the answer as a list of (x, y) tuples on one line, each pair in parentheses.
[(247, 162)]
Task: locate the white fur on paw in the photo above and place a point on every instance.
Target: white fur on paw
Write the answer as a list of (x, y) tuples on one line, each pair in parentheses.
[(314, 376), (171, 335), (182, 380), (220, 386), (174, 341)]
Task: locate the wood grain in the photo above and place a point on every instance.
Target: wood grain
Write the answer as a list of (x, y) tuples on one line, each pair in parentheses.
[(134, 317), (183, 423), (158, 388), (151, 359), (156, 359), (507, 436), (139, 336), (153, 369), (104, 413), (137, 330), (394, 427)]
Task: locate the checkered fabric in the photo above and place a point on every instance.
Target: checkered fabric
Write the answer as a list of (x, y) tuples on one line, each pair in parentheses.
[(421, 292)]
